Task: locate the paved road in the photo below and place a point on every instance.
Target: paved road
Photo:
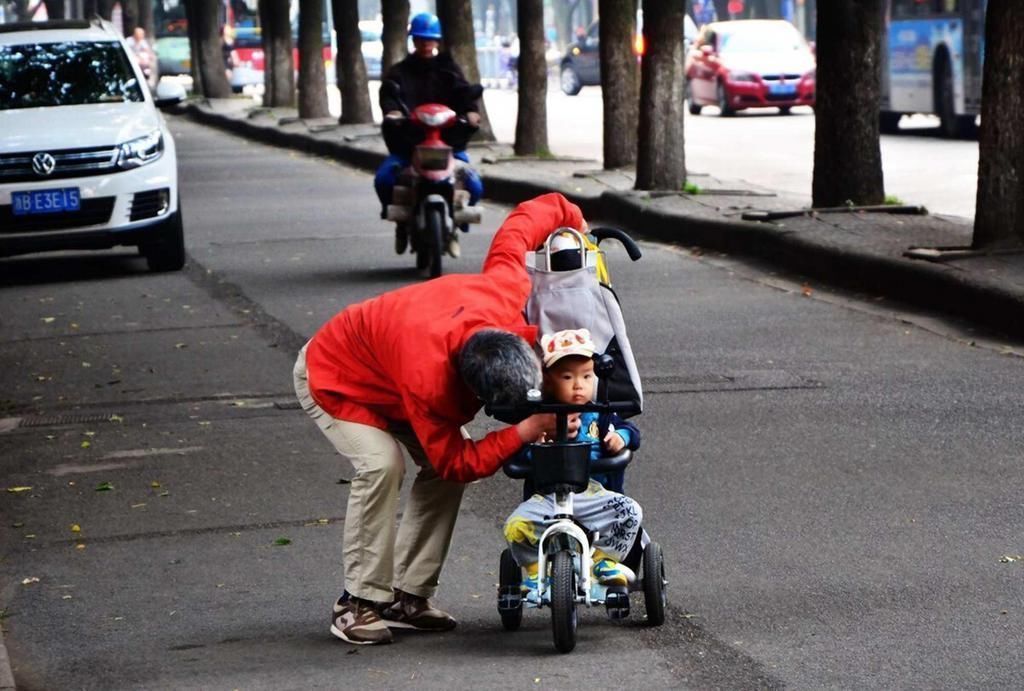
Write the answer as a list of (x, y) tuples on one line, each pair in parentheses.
[(834, 481)]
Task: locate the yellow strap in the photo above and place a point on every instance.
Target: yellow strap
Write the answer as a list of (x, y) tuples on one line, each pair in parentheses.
[(602, 265)]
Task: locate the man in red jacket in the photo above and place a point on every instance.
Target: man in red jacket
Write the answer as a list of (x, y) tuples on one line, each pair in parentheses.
[(411, 367)]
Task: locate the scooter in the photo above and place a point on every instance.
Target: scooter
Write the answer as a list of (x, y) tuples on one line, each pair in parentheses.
[(429, 200)]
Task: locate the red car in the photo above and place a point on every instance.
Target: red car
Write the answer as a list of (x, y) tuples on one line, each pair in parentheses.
[(755, 63)]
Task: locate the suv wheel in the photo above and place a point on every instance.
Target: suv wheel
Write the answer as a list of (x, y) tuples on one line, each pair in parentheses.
[(571, 84), (166, 252)]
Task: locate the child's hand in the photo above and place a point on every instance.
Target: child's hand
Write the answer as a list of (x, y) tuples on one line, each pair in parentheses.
[(613, 442)]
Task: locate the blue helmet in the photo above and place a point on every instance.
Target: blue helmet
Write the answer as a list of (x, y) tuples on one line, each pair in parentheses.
[(425, 25)]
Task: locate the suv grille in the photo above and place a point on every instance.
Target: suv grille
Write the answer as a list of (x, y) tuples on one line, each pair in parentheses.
[(68, 163), (92, 212)]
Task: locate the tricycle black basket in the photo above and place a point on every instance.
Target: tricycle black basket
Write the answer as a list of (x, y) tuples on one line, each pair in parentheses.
[(560, 467)]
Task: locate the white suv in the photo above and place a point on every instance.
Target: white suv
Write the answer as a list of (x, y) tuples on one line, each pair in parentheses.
[(86, 159)]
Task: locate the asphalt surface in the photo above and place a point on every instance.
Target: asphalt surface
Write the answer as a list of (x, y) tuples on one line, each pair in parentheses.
[(835, 481)]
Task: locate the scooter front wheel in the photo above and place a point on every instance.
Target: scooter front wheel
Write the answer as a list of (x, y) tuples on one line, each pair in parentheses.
[(563, 601)]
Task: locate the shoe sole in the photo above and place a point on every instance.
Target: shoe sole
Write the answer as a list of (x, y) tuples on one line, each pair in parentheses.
[(341, 634), (405, 625)]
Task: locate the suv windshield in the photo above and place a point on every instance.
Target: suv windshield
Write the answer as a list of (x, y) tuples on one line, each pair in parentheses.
[(69, 73)]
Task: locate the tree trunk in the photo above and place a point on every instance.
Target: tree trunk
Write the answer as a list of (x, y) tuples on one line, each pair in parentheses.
[(457, 25), (192, 24), (661, 162), (55, 9), (351, 68), (532, 118), (278, 65), (396, 21), (999, 210), (312, 80), (130, 16), (212, 71), (146, 20), (618, 82), (105, 8), (847, 158)]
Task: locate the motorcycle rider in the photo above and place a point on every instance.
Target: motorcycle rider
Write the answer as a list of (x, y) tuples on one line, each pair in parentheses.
[(425, 76)]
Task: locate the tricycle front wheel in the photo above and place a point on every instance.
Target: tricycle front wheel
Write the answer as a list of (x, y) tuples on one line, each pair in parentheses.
[(563, 601)]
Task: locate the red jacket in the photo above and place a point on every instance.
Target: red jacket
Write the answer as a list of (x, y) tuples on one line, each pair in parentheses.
[(393, 358)]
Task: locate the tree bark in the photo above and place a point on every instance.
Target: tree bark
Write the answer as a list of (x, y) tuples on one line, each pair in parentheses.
[(618, 82), (999, 210), (395, 15), (278, 64), (130, 17), (457, 26), (661, 161), (192, 26), (847, 157), (212, 74), (55, 9), (146, 20), (312, 80), (532, 118), (351, 68)]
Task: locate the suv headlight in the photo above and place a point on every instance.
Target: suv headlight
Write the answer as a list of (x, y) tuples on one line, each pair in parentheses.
[(139, 152)]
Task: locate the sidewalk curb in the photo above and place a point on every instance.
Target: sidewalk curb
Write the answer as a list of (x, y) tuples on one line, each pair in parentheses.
[(924, 284)]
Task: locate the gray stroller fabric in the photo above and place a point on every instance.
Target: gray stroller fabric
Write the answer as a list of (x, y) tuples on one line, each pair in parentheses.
[(576, 299)]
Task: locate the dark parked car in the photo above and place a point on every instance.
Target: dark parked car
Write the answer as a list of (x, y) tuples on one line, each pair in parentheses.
[(753, 63), (581, 65)]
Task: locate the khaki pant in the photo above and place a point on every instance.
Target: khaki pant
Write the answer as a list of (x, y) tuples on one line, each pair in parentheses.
[(376, 559)]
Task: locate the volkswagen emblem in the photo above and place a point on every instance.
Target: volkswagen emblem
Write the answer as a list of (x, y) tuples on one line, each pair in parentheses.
[(43, 164)]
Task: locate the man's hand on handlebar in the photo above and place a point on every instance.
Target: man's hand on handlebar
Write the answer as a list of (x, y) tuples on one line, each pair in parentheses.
[(394, 114), (473, 118), (543, 427)]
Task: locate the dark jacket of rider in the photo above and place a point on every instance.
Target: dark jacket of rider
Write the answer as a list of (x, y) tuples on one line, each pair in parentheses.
[(435, 80)]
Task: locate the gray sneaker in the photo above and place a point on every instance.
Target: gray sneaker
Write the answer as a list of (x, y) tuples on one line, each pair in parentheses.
[(414, 612), (359, 622), (453, 249)]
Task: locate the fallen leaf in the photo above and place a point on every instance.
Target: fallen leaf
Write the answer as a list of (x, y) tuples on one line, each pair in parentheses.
[(19, 489), (80, 545), (75, 528), (30, 580), (30, 536), (65, 597), (205, 423), (154, 484), (104, 486), (86, 444), (165, 493), (17, 525), (805, 290), (89, 434), (139, 505), (1010, 558), (116, 418), (86, 364), (282, 541), (179, 346), (48, 320)]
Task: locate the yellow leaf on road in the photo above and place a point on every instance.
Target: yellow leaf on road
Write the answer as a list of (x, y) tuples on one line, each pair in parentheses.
[(75, 528), (19, 489)]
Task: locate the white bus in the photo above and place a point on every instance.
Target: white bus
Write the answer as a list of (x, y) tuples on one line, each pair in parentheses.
[(932, 62)]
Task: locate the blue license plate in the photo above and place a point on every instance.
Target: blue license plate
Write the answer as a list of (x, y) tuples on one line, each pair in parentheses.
[(782, 89), (46, 201)]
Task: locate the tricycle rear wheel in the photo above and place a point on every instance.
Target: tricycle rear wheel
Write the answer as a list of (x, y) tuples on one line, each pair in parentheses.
[(655, 598), (510, 594), (563, 601)]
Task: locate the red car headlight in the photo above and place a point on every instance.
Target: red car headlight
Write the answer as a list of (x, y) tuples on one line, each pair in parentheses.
[(742, 77)]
